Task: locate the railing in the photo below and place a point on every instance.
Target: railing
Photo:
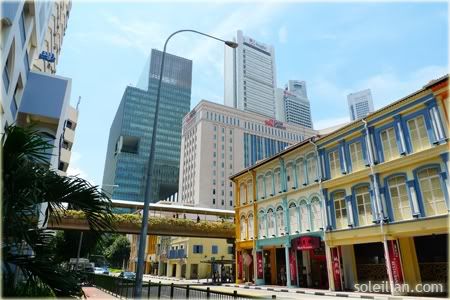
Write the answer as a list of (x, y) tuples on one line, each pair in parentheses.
[(123, 288)]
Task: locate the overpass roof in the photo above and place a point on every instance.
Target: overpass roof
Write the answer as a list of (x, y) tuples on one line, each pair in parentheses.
[(174, 208)]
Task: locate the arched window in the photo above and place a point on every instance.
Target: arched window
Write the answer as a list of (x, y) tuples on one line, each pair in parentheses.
[(242, 194), (260, 182), (280, 221), (293, 218), (250, 191), (363, 206), (277, 176), (268, 184), (431, 190), (250, 226), (304, 217), (270, 223), (340, 209), (289, 177), (311, 164), (300, 172), (399, 198), (316, 214), (261, 225), (243, 226)]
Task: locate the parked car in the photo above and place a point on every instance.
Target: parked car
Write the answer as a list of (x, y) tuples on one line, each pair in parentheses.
[(127, 275), (101, 270)]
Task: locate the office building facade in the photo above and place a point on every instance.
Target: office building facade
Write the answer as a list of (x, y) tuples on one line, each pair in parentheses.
[(360, 104), (292, 104), (250, 77), (130, 134), (218, 140)]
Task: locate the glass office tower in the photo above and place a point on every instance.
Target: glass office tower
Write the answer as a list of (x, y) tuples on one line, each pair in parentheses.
[(131, 131)]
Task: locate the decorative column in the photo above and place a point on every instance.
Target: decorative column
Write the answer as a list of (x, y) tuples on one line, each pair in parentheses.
[(413, 198), (288, 267), (342, 158), (350, 216)]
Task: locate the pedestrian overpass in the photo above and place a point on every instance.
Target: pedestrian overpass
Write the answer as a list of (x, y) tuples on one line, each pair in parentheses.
[(165, 219)]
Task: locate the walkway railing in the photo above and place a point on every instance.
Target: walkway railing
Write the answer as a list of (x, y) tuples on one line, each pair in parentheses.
[(123, 288)]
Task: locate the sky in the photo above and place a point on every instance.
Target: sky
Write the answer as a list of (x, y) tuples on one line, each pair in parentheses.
[(337, 48)]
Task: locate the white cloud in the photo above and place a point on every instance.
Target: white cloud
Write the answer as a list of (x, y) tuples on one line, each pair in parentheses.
[(282, 34), (74, 168)]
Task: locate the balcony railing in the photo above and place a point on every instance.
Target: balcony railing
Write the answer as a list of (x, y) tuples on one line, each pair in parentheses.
[(173, 254)]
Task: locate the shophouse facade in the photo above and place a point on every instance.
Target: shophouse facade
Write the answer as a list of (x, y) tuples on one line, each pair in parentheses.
[(372, 203)]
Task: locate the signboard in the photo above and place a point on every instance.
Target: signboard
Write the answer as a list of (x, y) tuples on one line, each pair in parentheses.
[(293, 265), (396, 264), (336, 265), (259, 265), (47, 56), (254, 43), (308, 243), (274, 123)]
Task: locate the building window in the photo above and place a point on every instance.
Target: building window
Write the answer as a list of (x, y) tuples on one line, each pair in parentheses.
[(261, 226), (335, 164), (250, 191), (304, 217), (277, 181), (268, 185), (316, 214), (250, 227), (214, 249), (363, 205), (340, 210), (23, 34), (312, 169), (197, 249), (270, 222), (356, 156), (418, 134), (300, 172), (293, 220), (243, 227), (242, 194), (280, 221), (399, 198), (289, 177), (260, 183), (389, 144), (431, 191)]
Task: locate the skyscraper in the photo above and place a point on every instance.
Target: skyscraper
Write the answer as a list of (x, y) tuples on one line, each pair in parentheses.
[(250, 79), (130, 134), (292, 104), (360, 104)]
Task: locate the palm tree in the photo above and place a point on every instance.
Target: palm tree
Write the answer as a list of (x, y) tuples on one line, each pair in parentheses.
[(28, 265)]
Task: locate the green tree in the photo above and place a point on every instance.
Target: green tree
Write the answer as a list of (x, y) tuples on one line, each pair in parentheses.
[(118, 251), (28, 262)]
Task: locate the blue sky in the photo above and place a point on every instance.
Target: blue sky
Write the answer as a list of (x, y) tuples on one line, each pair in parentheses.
[(391, 48)]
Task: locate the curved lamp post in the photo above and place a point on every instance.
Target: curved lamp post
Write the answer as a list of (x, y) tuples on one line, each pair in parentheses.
[(148, 188)]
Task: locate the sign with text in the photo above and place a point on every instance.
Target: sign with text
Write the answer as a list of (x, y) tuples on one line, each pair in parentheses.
[(259, 265), (307, 243), (336, 265), (293, 265), (47, 56), (396, 265), (274, 123)]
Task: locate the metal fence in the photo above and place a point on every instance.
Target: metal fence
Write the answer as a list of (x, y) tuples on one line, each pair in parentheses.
[(123, 288)]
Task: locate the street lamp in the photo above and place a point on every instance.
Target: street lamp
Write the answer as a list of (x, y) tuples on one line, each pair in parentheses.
[(148, 188)]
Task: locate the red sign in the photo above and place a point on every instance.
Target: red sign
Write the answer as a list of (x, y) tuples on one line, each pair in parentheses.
[(240, 267), (308, 243), (274, 123), (293, 265), (259, 265), (336, 263), (396, 264)]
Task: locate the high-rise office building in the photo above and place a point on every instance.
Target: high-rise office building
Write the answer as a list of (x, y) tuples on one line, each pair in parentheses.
[(292, 104), (218, 141), (250, 79), (360, 104), (131, 131)]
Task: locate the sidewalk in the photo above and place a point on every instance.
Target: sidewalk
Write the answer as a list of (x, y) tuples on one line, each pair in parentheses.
[(318, 292), (94, 293)]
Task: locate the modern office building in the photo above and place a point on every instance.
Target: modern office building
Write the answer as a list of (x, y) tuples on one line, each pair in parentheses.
[(360, 104), (23, 27), (292, 104), (130, 134), (368, 202), (54, 35), (219, 140), (250, 78)]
